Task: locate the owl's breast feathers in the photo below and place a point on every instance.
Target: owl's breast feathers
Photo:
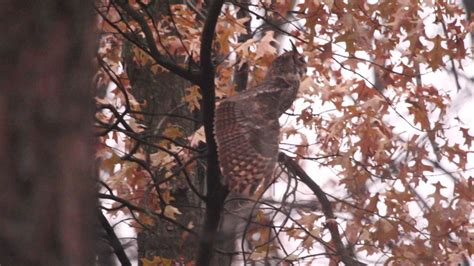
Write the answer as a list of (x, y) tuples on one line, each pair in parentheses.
[(246, 132), (247, 128)]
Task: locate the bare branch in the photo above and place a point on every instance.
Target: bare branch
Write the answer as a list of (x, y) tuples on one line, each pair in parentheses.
[(216, 192), (326, 208), (133, 207), (113, 240), (150, 40)]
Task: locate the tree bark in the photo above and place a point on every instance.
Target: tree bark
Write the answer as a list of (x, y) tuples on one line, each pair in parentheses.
[(46, 188), (163, 93)]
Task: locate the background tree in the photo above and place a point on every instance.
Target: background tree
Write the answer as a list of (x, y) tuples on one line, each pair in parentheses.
[(47, 178), (358, 157)]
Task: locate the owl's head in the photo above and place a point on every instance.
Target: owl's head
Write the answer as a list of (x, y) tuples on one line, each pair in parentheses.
[(291, 64)]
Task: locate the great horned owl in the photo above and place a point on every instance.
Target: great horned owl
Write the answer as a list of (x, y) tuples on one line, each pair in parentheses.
[(247, 128)]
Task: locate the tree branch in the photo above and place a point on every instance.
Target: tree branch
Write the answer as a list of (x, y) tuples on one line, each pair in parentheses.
[(133, 207), (216, 192), (113, 240), (208, 91), (331, 223), (150, 40)]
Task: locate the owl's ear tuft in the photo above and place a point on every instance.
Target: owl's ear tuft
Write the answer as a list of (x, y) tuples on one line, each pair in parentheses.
[(293, 47)]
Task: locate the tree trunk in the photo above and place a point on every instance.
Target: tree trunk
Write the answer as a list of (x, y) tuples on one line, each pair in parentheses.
[(46, 188), (164, 93)]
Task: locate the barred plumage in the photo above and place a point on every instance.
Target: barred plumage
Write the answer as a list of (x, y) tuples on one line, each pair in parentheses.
[(247, 128)]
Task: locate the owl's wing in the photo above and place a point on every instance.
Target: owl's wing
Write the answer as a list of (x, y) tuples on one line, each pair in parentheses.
[(246, 133)]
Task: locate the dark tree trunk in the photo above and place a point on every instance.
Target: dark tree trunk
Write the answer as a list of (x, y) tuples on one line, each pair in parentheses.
[(469, 6), (46, 158), (164, 94)]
